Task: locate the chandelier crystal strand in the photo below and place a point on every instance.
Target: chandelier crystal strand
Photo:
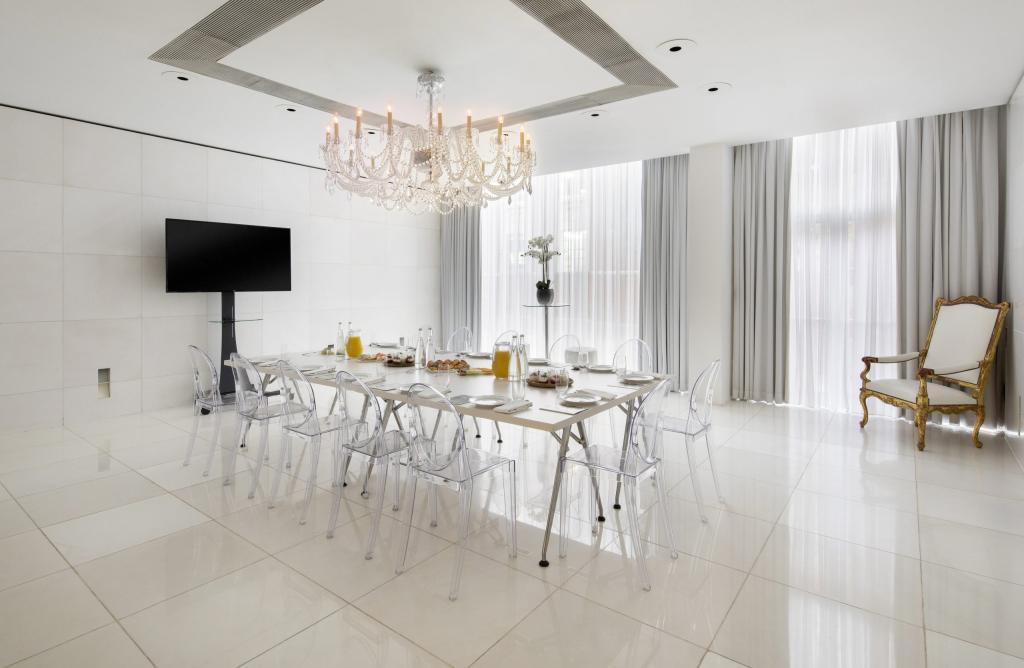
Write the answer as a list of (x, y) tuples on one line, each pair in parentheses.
[(432, 168)]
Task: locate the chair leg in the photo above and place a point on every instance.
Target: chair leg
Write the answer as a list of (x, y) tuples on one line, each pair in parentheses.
[(691, 459), (497, 428), (476, 423), (864, 407), (410, 496), (711, 464), (230, 473), (192, 434), (634, 532), (260, 454), (314, 463), (465, 503), (663, 502), (433, 505), (214, 444), (278, 473), (563, 509), (398, 485), (920, 419), (379, 510), (336, 502), (513, 512), (977, 426)]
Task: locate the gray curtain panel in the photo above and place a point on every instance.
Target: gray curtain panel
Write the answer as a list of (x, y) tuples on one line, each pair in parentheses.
[(663, 264), (760, 274), (460, 272), (951, 221)]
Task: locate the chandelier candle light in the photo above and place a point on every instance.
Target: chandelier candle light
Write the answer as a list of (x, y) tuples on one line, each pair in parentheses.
[(430, 168), (539, 248)]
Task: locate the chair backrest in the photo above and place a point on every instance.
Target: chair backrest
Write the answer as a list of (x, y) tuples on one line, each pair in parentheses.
[(358, 409), (460, 341), (506, 335), (964, 331), (248, 385), (633, 355), (438, 440), (299, 399), (557, 353), (702, 395), (645, 426), (205, 377)]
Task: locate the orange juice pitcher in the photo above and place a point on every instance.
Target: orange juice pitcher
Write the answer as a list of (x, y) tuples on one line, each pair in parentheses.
[(500, 359), (354, 343)]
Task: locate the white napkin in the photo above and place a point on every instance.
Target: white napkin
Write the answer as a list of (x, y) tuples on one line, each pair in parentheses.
[(514, 406), (604, 394)]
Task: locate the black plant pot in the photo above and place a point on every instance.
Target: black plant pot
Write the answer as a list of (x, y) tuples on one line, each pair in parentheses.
[(545, 296)]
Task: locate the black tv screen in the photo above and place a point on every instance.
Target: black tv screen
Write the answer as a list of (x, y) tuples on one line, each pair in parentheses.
[(221, 257)]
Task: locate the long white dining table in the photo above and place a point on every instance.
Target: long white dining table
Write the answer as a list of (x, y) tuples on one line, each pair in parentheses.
[(547, 414)]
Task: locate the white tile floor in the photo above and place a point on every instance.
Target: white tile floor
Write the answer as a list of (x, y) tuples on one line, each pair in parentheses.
[(833, 547)]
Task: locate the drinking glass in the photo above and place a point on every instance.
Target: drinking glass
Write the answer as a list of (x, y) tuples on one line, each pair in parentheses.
[(583, 359), (562, 380)]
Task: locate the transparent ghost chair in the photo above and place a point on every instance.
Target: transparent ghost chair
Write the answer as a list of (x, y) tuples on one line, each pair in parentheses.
[(632, 356), (438, 456), (259, 399), (362, 433), (504, 337), (639, 462), (206, 396), (302, 421), (558, 352), (460, 342), (698, 423)]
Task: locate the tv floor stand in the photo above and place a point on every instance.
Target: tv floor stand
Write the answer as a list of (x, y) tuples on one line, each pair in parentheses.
[(228, 341)]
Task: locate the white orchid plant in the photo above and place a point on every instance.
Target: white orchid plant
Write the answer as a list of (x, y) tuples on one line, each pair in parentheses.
[(539, 248)]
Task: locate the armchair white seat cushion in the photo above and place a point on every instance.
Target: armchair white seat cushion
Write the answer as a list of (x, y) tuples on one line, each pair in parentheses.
[(938, 395)]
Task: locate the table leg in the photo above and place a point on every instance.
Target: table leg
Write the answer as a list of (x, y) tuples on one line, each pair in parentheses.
[(622, 462), (593, 473), (563, 449)]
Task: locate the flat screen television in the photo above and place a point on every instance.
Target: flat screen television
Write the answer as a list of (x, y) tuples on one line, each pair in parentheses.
[(221, 257)]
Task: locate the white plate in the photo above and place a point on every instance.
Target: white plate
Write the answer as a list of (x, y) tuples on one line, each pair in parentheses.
[(637, 378), (601, 368), (489, 400), (310, 368), (384, 344), (479, 356), (538, 361), (579, 399)]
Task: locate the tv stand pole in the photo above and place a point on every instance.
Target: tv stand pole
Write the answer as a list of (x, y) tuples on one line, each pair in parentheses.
[(228, 343)]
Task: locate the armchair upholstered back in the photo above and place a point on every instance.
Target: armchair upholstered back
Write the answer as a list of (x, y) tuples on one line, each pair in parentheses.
[(962, 334)]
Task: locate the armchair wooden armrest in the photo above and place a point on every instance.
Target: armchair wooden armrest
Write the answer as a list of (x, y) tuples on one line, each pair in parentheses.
[(890, 359)]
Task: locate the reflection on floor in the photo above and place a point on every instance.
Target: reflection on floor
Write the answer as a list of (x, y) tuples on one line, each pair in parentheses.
[(833, 546)]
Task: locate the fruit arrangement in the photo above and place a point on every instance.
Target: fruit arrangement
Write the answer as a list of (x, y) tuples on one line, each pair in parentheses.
[(546, 379), (447, 365)]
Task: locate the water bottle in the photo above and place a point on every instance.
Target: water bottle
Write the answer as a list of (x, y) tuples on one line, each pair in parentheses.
[(421, 350), (339, 347), (524, 358), (429, 348)]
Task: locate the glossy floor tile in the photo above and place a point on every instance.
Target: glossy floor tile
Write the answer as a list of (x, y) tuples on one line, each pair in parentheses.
[(107, 646), (561, 632), (995, 554), (981, 510), (232, 619), (947, 652), (86, 498), (27, 556), (13, 519), (854, 522), (775, 626)]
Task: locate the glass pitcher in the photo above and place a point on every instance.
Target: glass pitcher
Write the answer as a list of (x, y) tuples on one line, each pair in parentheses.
[(501, 358), (354, 343)]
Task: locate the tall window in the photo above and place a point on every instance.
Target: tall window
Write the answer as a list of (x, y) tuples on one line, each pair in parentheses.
[(595, 217), (843, 289)]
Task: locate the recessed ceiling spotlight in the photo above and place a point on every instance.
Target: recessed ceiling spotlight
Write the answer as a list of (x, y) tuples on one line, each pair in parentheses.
[(594, 113), (175, 75), (287, 107), (716, 87), (676, 47)]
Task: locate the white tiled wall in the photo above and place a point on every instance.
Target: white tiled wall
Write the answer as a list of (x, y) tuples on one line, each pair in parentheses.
[(1013, 250), (82, 211)]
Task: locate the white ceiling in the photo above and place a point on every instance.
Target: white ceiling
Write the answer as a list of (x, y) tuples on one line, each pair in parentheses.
[(797, 66)]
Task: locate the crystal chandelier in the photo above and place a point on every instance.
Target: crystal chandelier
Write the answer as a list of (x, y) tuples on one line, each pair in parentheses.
[(427, 168)]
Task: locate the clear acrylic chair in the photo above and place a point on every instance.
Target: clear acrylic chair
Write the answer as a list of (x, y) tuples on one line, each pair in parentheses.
[(438, 456), (460, 342), (632, 356), (302, 421), (558, 352), (698, 423), (206, 396), (640, 461), (259, 400), (362, 433)]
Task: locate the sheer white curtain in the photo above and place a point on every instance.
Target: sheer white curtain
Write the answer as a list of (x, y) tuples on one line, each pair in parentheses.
[(843, 292), (595, 217)]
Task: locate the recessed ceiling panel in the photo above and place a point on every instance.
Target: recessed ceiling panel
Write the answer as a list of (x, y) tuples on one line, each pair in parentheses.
[(496, 57)]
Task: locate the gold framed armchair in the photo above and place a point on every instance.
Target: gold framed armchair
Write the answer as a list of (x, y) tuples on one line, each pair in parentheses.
[(953, 366)]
